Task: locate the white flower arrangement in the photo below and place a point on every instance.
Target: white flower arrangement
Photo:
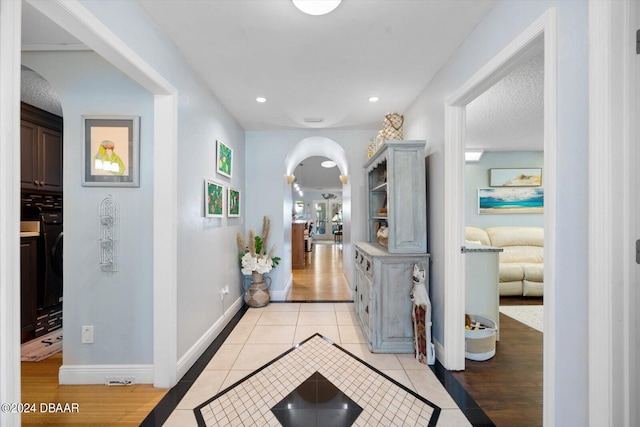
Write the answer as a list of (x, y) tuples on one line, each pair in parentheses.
[(254, 257)]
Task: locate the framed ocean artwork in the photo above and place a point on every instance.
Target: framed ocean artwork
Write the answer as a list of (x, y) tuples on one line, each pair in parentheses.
[(515, 177), (511, 200)]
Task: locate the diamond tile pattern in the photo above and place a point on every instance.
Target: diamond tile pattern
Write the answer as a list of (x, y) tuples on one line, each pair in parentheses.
[(384, 402)]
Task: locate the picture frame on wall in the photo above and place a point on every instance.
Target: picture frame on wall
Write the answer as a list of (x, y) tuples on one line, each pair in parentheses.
[(213, 199), (224, 157), (234, 202), (511, 200), (515, 177), (111, 151)]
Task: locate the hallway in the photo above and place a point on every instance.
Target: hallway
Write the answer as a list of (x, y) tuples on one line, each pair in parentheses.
[(322, 278)]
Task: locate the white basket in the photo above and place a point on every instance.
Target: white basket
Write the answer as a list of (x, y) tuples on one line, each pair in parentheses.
[(480, 344)]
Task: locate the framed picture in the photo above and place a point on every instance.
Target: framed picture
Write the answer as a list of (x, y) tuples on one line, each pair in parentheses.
[(213, 199), (225, 159), (516, 177), (510, 200), (233, 202), (111, 151)]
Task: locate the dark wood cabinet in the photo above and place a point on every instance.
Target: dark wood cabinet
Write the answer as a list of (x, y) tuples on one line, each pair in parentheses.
[(28, 286), (297, 245), (41, 150)]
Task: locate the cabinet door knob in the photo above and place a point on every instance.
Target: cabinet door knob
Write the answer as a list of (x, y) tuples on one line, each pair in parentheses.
[(41, 182), (36, 182)]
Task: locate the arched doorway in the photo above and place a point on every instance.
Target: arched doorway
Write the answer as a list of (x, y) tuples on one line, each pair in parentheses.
[(326, 148)]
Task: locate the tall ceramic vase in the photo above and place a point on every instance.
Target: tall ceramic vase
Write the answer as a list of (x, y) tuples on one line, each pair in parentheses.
[(257, 293)]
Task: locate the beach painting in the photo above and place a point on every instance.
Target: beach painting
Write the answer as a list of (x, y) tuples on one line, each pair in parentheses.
[(502, 177), (510, 200)]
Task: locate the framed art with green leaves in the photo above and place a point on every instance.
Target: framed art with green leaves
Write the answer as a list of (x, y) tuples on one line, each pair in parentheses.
[(233, 202), (213, 199), (225, 159)]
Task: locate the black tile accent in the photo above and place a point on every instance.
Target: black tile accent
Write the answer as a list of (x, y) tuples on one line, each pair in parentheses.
[(159, 415), (316, 402), (468, 406)]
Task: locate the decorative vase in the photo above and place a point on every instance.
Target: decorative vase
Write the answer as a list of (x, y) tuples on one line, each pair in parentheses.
[(257, 293)]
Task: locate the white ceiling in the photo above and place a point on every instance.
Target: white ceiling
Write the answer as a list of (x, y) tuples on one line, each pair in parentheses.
[(328, 66), (311, 176)]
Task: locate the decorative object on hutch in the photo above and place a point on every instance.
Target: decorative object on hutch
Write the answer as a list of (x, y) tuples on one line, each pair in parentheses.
[(396, 196), (392, 126), (109, 231)]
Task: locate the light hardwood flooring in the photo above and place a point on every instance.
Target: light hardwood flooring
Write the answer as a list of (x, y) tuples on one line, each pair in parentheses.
[(322, 278), (99, 405)]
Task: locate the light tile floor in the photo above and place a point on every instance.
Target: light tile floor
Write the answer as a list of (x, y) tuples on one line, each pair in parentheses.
[(265, 333)]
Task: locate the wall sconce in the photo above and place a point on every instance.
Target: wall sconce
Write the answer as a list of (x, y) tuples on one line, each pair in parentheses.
[(290, 178), (344, 179)]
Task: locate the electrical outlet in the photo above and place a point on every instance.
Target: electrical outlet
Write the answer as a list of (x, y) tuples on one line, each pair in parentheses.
[(87, 335)]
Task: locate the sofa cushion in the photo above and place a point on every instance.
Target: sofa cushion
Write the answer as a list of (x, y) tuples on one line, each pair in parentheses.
[(532, 289), (510, 288), (516, 236), (477, 235), (510, 272), (533, 272), (529, 254)]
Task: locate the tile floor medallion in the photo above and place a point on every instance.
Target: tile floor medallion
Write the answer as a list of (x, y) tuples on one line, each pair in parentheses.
[(339, 384)]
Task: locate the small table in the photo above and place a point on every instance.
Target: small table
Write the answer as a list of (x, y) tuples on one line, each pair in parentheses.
[(337, 236)]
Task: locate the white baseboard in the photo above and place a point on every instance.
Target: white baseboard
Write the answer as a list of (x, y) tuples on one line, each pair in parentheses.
[(439, 350), (143, 374), (103, 374), (196, 350), (282, 295)]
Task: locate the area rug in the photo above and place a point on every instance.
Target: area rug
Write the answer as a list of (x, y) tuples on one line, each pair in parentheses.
[(321, 382), (41, 347), (530, 315)]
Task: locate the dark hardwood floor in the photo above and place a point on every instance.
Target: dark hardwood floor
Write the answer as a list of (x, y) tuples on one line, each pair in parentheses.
[(508, 387)]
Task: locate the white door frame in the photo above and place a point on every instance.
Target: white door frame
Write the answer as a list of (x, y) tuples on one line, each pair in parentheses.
[(613, 210), (79, 22), (539, 35)]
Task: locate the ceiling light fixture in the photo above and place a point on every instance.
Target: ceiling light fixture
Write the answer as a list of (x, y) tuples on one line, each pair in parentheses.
[(261, 99), (374, 99), (473, 156), (328, 164), (316, 7)]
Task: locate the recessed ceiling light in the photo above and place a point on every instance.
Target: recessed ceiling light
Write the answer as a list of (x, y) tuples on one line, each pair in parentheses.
[(316, 7), (374, 99), (261, 99), (328, 164)]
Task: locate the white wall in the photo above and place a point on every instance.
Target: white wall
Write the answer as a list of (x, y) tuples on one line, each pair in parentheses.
[(206, 246), (477, 176), (425, 120), (116, 304), (122, 310), (268, 194)]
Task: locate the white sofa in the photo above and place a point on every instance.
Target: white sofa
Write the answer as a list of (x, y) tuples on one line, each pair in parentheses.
[(521, 263)]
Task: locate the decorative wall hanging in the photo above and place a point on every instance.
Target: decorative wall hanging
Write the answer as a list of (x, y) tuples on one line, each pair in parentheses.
[(109, 233), (510, 200), (111, 151), (213, 199), (233, 202), (225, 159), (515, 177)]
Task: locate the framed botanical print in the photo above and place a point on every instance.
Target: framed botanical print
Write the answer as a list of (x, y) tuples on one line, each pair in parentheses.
[(213, 199), (224, 156), (233, 202), (111, 151)]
